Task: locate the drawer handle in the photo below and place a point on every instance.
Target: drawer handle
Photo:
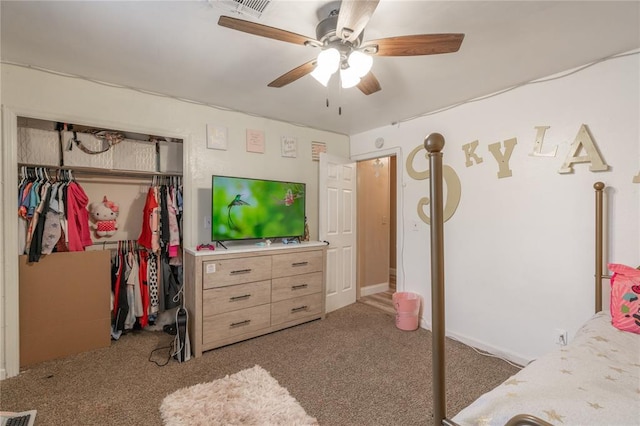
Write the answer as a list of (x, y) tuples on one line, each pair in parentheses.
[(301, 308), (240, 271), (236, 298), (299, 264), (299, 286), (241, 323)]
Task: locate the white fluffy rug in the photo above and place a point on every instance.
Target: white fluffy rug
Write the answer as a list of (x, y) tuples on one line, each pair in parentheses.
[(248, 397)]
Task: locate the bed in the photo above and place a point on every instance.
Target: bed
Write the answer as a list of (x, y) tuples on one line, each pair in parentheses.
[(594, 380)]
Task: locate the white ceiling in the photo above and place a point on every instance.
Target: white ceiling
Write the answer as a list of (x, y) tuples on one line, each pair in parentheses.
[(176, 48)]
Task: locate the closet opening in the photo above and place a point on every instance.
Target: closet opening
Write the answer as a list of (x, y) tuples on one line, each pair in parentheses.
[(99, 234)]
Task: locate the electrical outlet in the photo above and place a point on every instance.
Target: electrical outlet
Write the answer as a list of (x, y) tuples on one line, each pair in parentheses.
[(207, 222), (560, 337)]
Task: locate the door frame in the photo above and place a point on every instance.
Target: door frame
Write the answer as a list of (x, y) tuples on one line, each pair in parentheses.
[(390, 152)]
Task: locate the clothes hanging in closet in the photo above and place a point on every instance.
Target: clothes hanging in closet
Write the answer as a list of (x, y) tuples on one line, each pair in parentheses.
[(143, 284), (149, 235), (162, 220), (120, 307), (161, 236), (77, 218), (52, 213), (171, 283), (129, 278)]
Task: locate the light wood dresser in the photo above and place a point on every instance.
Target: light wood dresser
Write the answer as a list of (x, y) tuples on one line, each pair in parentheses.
[(246, 291)]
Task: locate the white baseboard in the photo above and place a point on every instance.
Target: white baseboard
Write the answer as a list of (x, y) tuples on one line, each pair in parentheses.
[(373, 289), (493, 350), (3, 374)]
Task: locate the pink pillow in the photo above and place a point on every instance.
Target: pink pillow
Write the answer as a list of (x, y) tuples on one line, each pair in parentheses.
[(625, 291)]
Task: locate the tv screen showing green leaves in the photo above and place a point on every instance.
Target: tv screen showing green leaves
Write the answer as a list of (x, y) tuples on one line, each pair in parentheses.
[(244, 208)]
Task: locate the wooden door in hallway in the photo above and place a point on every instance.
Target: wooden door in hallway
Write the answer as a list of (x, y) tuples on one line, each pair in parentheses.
[(337, 202)]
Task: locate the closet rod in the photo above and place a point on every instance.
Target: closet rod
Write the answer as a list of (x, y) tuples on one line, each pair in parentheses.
[(104, 243), (102, 172), (100, 243)]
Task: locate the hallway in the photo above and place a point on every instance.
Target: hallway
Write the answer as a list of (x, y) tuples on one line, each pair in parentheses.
[(382, 300)]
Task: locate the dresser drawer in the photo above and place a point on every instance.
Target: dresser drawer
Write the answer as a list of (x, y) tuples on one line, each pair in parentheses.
[(231, 298), (223, 326), (297, 263), (298, 307), (295, 286), (220, 273)]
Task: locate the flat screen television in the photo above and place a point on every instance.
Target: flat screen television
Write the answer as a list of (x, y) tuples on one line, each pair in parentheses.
[(245, 208)]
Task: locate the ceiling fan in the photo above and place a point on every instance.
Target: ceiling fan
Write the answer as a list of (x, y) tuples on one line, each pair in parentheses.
[(340, 38)]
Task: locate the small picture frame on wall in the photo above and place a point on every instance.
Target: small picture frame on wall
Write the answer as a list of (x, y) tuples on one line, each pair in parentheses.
[(289, 147), (216, 137), (255, 141)]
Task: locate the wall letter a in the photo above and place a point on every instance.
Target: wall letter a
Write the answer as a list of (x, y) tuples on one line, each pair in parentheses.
[(584, 141)]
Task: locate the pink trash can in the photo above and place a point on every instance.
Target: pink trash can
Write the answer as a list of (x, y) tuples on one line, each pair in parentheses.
[(407, 308)]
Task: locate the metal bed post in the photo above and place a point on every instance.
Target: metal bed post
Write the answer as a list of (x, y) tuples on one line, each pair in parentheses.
[(434, 143), (599, 187)]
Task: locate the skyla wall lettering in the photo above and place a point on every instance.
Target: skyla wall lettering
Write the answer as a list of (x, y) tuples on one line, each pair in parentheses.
[(582, 150)]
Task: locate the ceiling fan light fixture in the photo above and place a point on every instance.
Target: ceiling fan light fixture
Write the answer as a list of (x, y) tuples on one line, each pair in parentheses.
[(321, 75), (349, 78), (329, 60), (340, 36), (360, 63)]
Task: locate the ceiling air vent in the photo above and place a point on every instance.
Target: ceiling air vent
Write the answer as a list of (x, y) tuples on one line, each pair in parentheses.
[(253, 8)]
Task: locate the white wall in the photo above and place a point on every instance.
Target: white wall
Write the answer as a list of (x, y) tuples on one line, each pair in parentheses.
[(520, 249), (85, 102), (38, 94)]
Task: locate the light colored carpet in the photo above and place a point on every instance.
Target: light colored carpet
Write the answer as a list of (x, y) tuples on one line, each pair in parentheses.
[(248, 397), (353, 368)]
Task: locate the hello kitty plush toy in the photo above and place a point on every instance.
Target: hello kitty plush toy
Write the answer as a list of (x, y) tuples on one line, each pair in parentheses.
[(104, 215)]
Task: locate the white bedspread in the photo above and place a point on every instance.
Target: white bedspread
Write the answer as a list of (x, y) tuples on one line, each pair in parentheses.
[(595, 380)]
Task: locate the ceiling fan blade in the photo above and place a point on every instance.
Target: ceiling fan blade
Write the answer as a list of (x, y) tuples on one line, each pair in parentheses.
[(369, 84), (353, 17), (266, 31), (415, 45), (294, 74)]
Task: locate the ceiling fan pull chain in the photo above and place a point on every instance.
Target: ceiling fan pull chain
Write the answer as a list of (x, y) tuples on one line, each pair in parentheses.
[(327, 102), (340, 110)]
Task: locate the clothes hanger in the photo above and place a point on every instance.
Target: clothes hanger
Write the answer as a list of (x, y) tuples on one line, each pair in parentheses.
[(23, 175)]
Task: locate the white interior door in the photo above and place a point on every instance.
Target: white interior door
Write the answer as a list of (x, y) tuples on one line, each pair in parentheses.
[(337, 203)]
